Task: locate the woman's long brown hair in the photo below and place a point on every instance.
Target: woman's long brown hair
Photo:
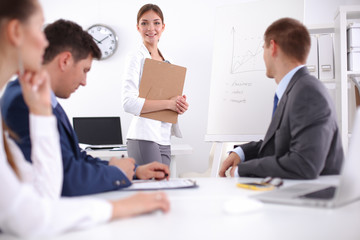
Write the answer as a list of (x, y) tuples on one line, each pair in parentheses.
[(9, 156)]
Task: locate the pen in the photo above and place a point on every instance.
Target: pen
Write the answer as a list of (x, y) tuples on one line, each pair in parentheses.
[(166, 175), (256, 186)]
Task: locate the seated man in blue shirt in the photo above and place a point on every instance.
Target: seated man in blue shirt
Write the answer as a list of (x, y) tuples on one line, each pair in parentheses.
[(68, 59), (303, 139)]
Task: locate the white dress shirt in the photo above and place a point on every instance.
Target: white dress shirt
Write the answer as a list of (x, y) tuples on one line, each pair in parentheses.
[(30, 205), (280, 90), (142, 128)]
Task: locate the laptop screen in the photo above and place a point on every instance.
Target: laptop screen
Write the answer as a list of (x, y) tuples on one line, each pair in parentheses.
[(326, 193), (98, 130)]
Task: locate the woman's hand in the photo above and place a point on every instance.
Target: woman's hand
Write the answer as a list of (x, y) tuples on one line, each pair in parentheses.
[(36, 92), (180, 105), (177, 104), (140, 203)]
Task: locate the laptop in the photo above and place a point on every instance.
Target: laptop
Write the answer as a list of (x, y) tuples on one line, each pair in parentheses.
[(320, 195), (99, 133)]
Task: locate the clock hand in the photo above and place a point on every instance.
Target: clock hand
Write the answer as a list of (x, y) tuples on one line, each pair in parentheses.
[(96, 40), (103, 39)]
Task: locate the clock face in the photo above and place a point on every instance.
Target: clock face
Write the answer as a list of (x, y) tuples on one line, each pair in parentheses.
[(105, 38)]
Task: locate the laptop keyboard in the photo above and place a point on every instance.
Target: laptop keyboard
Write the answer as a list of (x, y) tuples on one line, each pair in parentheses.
[(326, 193)]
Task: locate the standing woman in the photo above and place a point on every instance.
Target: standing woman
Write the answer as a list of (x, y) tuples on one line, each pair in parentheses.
[(148, 140), (30, 203)]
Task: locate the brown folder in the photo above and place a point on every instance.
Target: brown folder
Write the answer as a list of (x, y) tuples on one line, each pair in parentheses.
[(161, 81)]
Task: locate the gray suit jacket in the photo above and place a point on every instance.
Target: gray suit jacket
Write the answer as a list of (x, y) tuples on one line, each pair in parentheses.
[(303, 139)]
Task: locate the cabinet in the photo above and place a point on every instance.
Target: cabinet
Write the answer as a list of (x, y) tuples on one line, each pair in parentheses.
[(320, 61), (345, 80)]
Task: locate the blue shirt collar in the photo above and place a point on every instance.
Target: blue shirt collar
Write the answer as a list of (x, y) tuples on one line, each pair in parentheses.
[(285, 82), (54, 101)]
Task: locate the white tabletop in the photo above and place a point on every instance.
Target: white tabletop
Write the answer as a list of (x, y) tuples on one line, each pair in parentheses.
[(198, 214)]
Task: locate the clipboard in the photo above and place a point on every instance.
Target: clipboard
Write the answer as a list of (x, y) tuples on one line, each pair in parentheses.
[(161, 81), (150, 185)]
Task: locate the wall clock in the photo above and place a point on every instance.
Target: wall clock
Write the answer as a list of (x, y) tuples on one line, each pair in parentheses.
[(106, 39)]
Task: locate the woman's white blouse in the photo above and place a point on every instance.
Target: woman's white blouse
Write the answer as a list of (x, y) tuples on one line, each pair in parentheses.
[(142, 128), (31, 205)]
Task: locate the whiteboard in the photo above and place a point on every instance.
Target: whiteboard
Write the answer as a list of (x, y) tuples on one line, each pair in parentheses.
[(241, 96)]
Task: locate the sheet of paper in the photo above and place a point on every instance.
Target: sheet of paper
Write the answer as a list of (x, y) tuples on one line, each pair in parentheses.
[(164, 184)]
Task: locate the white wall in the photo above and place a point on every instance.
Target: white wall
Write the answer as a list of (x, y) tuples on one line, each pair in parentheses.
[(187, 41)]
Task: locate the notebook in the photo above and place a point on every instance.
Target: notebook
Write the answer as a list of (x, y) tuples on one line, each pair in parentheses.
[(99, 132), (320, 195)]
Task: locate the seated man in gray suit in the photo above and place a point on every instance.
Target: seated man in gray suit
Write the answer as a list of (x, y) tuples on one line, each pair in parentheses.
[(303, 139)]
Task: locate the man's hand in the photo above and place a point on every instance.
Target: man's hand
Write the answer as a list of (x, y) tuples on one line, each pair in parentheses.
[(127, 165), (230, 162), (155, 170)]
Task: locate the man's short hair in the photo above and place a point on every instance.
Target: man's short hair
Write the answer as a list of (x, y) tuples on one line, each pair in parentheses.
[(292, 37), (66, 35)]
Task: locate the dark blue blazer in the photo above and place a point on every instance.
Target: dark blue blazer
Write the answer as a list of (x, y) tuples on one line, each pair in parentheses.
[(83, 174)]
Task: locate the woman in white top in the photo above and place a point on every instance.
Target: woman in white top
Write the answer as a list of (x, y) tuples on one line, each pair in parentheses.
[(148, 140), (30, 203)]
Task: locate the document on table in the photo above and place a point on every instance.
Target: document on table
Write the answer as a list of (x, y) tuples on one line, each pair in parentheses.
[(161, 185)]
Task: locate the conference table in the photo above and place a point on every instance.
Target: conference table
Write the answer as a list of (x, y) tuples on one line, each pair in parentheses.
[(198, 213)]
